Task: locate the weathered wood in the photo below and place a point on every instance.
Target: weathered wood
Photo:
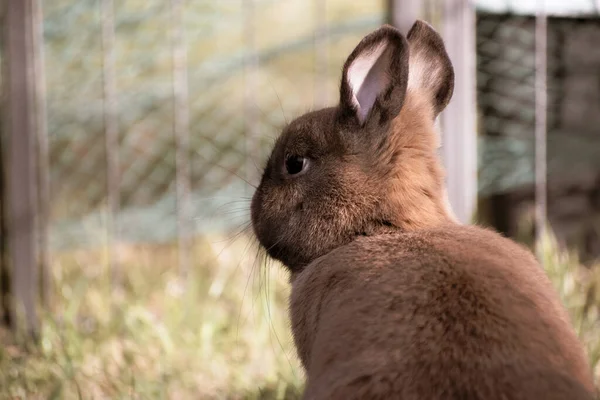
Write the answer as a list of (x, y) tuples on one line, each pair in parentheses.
[(5, 279), (21, 164), (458, 121)]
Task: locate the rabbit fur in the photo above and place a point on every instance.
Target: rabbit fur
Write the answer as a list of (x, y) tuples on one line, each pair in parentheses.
[(391, 297)]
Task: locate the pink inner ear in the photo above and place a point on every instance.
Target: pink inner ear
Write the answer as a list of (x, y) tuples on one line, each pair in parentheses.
[(377, 80), (368, 77)]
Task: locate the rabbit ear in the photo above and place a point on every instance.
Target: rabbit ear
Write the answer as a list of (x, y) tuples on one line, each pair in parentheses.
[(431, 71), (375, 76)]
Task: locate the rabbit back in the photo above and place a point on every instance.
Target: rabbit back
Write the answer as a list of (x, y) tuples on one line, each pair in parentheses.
[(447, 313)]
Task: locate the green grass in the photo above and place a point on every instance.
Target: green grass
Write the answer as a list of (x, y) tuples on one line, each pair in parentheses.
[(225, 336)]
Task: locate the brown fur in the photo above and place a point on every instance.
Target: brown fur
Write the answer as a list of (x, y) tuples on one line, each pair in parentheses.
[(391, 298), (416, 202), (444, 313)]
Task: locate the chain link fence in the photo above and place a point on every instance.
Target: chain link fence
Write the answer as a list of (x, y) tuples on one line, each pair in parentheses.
[(227, 141), (130, 85), (506, 101), (140, 132)]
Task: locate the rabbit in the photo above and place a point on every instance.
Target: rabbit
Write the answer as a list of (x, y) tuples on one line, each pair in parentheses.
[(393, 298)]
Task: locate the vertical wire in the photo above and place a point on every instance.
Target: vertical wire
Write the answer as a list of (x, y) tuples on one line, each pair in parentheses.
[(111, 132), (250, 90), (182, 138), (321, 54), (540, 126)]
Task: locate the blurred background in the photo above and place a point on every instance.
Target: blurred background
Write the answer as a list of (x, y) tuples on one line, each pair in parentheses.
[(133, 133)]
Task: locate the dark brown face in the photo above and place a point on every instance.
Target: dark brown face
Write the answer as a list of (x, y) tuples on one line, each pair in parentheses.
[(364, 167), (306, 203)]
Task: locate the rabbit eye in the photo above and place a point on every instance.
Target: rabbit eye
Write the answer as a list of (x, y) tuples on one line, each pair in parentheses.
[(295, 164)]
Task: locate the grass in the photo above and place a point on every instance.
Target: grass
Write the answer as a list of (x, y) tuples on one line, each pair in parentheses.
[(579, 288), (222, 333)]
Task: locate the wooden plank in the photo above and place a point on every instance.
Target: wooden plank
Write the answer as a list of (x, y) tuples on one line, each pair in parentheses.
[(5, 279), (21, 164), (458, 121)]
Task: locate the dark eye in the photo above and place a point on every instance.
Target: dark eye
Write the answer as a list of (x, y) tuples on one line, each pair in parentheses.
[(295, 164)]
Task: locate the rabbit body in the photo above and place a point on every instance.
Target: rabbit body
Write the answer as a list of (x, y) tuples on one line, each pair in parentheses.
[(445, 313), (391, 297)]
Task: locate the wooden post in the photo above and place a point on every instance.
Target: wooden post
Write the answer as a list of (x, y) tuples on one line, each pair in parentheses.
[(5, 278), (21, 164), (458, 121), (403, 13)]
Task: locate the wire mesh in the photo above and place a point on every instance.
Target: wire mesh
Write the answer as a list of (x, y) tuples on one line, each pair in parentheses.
[(506, 86), (243, 83)]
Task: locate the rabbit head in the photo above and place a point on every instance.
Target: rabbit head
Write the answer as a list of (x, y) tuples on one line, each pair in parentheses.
[(368, 165)]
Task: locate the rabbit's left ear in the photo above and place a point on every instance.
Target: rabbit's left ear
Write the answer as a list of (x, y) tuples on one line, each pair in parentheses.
[(375, 77), (431, 73)]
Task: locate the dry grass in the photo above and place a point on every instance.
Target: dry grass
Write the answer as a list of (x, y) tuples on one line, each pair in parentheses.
[(223, 335), (220, 334)]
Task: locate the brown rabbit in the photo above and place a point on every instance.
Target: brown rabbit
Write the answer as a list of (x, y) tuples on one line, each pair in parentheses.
[(391, 297)]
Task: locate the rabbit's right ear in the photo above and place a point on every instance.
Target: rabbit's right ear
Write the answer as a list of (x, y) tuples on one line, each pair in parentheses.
[(375, 76), (431, 72)]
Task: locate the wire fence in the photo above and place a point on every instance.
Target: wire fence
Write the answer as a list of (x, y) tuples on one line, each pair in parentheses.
[(153, 115), (150, 118), (509, 105), (156, 150)]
